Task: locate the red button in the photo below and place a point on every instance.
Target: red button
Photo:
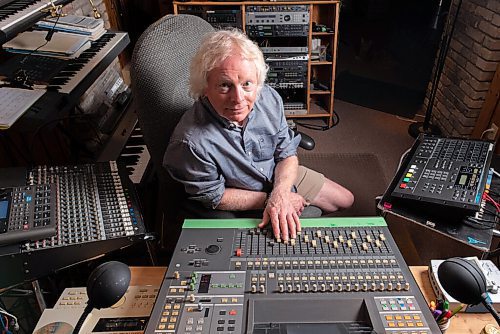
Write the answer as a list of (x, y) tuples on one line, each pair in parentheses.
[(402, 185), (232, 312), (238, 252)]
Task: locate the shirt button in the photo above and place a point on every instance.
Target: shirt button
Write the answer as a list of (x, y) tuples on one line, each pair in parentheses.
[(249, 153), (261, 169)]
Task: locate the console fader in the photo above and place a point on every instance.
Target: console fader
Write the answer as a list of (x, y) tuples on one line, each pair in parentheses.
[(341, 275)]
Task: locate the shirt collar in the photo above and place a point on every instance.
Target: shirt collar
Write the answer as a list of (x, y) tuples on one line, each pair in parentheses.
[(224, 121)]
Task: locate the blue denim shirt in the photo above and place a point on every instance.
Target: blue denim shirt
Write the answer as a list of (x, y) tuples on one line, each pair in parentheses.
[(208, 154)]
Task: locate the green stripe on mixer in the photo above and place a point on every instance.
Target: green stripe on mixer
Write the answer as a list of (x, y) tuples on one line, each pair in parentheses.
[(305, 222)]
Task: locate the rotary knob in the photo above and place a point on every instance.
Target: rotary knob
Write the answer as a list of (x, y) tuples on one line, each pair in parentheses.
[(212, 249)]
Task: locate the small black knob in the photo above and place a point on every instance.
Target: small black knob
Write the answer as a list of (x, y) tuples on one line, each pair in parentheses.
[(212, 249)]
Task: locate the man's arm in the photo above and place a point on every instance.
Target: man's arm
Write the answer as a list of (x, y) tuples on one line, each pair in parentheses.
[(240, 200), (283, 207)]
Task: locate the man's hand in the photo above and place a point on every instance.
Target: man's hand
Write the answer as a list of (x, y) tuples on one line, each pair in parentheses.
[(283, 210)]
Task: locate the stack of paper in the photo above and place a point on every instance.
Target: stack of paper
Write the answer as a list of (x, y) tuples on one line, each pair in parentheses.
[(15, 102), (74, 24), (61, 45)]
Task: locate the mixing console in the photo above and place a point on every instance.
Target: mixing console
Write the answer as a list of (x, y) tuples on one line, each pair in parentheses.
[(92, 204), (341, 275), (91, 211)]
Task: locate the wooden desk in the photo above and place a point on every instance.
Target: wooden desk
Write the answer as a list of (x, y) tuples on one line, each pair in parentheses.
[(462, 323)]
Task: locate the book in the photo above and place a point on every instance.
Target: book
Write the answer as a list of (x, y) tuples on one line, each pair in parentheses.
[(75, 21), (15, 102), (74, 24), (61, 45)]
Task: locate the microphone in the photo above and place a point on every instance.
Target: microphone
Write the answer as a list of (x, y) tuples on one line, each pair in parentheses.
[(465, 282), (106, 285)]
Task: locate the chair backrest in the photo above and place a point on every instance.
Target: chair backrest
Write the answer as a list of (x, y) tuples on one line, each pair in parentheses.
[(160, 73), (160, 85)]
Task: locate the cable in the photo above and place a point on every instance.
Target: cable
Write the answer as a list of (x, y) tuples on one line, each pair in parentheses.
[(320, 127), (6, 328), (495, 172), (472, 222), (485, 132), (403, 156)]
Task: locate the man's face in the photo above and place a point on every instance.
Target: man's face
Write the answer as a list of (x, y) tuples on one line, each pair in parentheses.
[(232, 88)]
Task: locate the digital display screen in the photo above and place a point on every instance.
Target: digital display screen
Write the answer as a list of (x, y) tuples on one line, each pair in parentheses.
[(467, 178), (4, 207)]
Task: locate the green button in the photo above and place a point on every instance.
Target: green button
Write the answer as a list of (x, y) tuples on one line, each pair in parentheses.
[(406, 179), (232, 276)]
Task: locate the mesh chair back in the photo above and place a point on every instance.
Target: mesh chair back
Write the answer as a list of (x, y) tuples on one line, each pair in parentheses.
[(160, 85), (160, 72)]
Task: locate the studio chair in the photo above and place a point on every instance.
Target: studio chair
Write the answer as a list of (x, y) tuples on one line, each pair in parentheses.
[(160, 85)]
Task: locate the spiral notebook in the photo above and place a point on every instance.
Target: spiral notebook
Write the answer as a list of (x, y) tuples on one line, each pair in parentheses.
[(15, 102)]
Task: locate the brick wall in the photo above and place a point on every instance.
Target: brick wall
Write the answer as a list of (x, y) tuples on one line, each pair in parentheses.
[(470, 64)]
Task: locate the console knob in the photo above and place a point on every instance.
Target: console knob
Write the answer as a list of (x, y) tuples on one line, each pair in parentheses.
[(323, 287), (253, 288), (262, 288), (212, 249), (306, 287), (176, 275), (315, 287), (281, 288)]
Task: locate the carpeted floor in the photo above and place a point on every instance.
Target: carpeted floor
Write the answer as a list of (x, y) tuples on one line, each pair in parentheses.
[(382, 96), (361, 173)]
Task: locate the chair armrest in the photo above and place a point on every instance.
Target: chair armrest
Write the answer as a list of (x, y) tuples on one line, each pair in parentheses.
[(306, 142)]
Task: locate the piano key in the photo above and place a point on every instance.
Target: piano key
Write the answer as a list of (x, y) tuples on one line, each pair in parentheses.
[(135, 156), (79, 73), (16, 16)]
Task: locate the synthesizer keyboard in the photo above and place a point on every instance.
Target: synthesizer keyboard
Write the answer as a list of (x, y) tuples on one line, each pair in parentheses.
[(18, 15), (341, 275), (89, 64), (135, 156)]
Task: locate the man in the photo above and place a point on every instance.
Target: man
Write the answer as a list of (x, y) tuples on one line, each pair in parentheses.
[(233, 150)]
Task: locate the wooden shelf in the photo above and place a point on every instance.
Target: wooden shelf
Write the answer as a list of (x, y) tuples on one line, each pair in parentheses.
[(318, 33), (319, 63), (319, 92), (321, 12)]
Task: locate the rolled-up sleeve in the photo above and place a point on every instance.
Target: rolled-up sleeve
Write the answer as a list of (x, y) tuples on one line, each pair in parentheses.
[(287, 142), (200, 177)]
